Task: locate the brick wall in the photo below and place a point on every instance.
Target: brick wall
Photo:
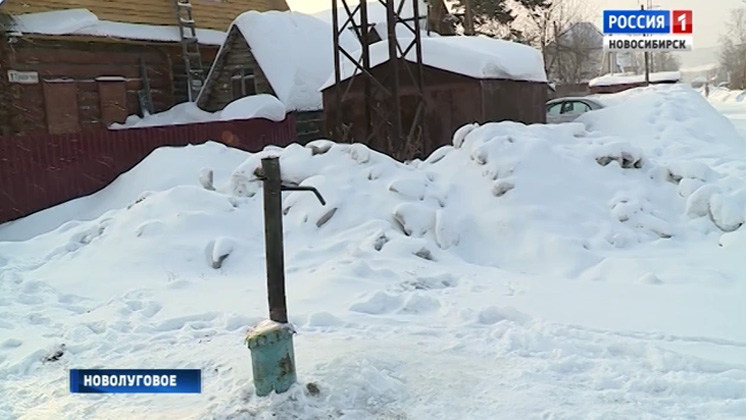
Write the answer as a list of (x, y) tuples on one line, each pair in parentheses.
[(37, 172)]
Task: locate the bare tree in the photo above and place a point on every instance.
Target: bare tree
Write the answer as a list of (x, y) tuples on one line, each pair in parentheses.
[(733, 49), (665, 61), (543, 26), (495, 18), (571, 46)]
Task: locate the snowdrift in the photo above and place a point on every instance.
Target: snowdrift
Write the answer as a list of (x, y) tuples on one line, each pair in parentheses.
[(723, 95), (407, 269), (255, 106)]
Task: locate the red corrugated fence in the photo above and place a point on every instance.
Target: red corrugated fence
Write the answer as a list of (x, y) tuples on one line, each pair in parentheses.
[(38, 172)]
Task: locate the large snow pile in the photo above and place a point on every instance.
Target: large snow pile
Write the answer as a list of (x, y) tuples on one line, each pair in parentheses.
[(523, 272), (163, 169), (478, 57), (295, 52), (84, 22), (255, 106)]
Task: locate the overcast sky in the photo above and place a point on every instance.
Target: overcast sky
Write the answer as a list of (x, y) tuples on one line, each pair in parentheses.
[(709, 16)]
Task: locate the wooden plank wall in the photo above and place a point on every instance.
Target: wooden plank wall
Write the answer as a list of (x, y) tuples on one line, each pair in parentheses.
[(452, 101), (514, 100), (82, 63), (37, 172), (179, 69), (5, 93), (236, 55), (208, 14), (309, 125)]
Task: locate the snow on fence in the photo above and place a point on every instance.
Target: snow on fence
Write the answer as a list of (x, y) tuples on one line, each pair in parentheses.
[(40, 171)]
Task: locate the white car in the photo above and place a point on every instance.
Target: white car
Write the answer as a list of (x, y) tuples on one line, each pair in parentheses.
[(562, 110)]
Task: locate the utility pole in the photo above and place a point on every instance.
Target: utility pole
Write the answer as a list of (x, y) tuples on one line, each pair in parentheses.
[(647, 59), (383, 124), (469, 18), (652, 6)]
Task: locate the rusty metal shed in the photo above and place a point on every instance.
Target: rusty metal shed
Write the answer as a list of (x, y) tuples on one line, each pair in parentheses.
[(467, 79)]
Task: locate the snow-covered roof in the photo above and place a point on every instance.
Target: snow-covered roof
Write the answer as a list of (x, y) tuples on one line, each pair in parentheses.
[(478, 57), (83, 22), (612, 80), (295, 52)]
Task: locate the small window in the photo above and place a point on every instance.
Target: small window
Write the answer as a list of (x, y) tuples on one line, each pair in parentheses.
[(554, 109), (242, 84)]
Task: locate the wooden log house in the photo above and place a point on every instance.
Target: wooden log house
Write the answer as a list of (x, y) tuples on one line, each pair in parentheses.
[(80, 65), (285, 54)]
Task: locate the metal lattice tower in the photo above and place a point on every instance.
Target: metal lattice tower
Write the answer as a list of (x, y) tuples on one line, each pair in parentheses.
[(382, 89)]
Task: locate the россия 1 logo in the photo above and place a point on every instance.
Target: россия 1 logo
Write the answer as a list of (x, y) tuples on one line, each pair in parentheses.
[(648, 30)]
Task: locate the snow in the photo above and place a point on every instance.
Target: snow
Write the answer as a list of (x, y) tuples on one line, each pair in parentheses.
[(146, 178), (111, 79), (376, 12), (699, 80), (721, 96), (84, 22), (613, 79), (267, 326), (295, 52), (255, 106), (479, 57), (523, 272)]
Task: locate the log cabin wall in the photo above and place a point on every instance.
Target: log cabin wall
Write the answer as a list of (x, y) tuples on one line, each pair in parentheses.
[(82, 84), (209, 14), (178, 69), (234, 58)]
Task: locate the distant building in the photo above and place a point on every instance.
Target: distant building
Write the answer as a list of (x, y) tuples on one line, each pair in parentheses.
[(620, 82), (285, 54), (70, 66)]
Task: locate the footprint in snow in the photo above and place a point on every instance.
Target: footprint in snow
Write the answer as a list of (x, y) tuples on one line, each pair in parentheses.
[(377, 304), (492, 315), (11, 343), (418, 303), (436, 282), (323, 319)]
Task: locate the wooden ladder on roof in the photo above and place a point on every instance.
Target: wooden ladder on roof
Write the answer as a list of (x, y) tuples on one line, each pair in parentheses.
[(190, 48)]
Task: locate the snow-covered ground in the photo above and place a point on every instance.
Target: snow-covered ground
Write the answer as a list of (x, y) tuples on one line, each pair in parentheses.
[(730, 103), (591, 270)]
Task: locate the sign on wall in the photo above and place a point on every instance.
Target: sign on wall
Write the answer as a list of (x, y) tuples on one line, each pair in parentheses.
[(23, 77)]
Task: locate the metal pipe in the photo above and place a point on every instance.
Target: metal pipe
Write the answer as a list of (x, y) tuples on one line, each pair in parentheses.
[(273, 240)]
